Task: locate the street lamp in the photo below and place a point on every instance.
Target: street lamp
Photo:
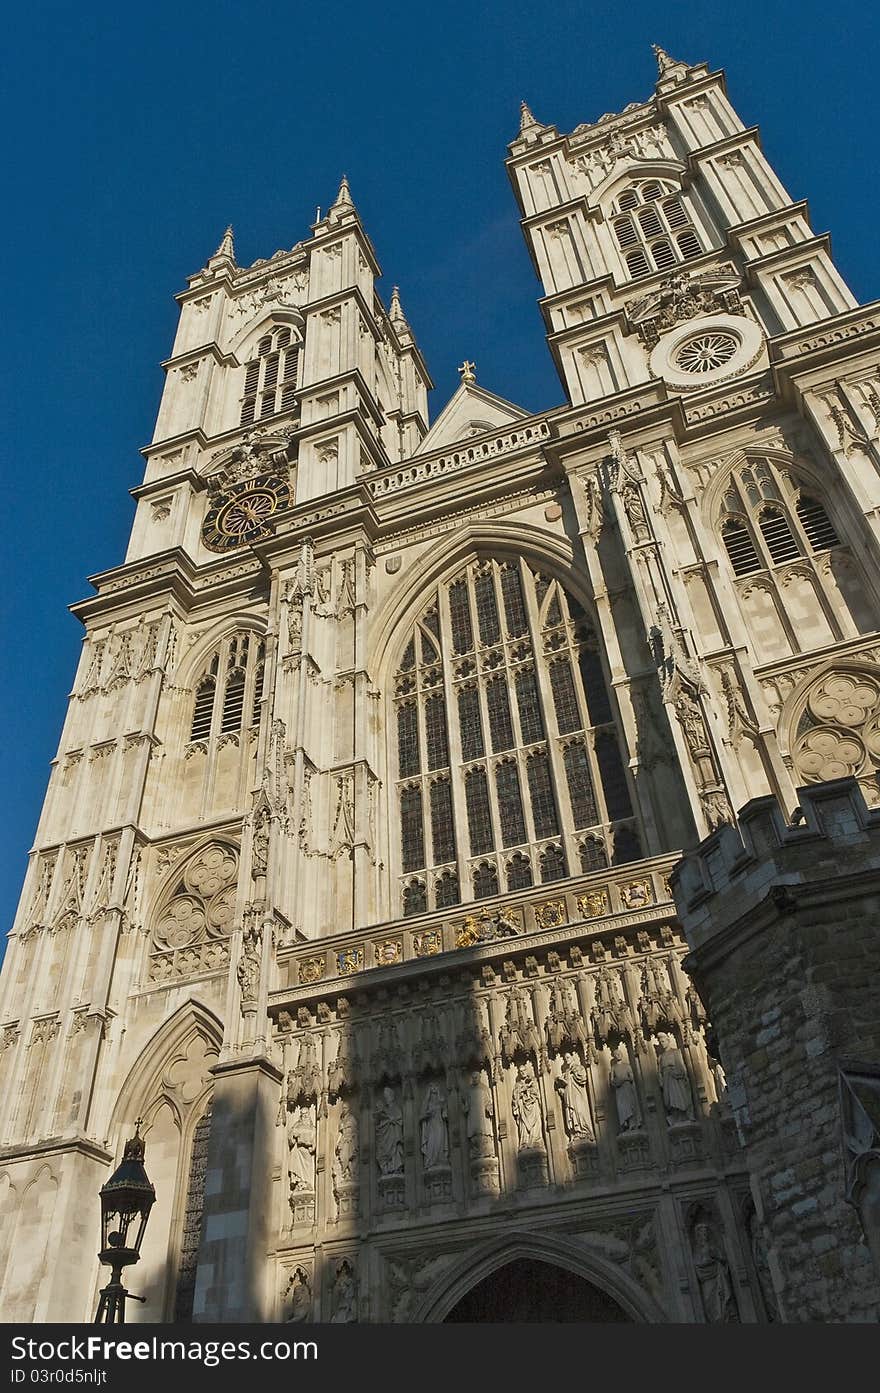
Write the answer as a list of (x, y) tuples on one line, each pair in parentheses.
[(126, 1201)]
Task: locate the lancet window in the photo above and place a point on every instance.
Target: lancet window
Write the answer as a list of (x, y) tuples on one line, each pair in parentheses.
[(507, 757), (769, 520)]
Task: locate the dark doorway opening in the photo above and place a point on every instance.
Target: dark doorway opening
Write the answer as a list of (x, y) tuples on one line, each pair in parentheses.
[(527, 1290)]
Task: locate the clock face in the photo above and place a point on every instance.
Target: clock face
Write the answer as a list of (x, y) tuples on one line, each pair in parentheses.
[(241, 514)]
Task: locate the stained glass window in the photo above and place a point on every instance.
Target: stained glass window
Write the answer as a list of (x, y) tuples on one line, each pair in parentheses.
[(551, 670), (519, 872), (500, 725), (435, 733), (541, 796), (442, 825), (580, 786), (568, 717), (513, 827), (487, 608), (470, 724), (479, 816), (485, 881), (530, 723), (408, 739), (412, 830)]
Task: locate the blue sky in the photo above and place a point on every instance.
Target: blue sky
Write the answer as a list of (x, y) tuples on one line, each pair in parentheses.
[(135, 134)]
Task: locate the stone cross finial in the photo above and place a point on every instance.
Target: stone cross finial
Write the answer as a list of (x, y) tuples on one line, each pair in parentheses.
[(467, 370)]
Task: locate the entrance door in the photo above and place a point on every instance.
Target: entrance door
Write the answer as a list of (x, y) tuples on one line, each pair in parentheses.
[(527, 1290)]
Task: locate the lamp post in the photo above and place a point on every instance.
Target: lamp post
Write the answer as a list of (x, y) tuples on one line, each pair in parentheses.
[(126, 1201)]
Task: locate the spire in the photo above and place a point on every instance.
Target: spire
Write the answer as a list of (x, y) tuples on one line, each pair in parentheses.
[(669, 68), (226, 248)]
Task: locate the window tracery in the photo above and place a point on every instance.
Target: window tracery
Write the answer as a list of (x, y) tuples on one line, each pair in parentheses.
[(505, 750), (653, 228), (228, 696)]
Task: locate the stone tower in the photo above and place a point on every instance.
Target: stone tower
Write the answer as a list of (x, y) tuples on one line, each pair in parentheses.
[(352, 878)]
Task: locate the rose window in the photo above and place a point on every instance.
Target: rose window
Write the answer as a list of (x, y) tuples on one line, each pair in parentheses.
[(706, 351)]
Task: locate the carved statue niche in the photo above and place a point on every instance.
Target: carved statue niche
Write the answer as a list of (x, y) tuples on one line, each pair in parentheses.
[(626, 1098), (574, 1095), (343, 1294), (474, 1042), (658, 1004), (758, 1250), (611, 1017), (297, 1296), (304, 1080), (519, 1034), (564, 1025), (388, 1117), (342, 1075), (387, 1062), (526, 1108), (712, 1269), (434, 1128), (346, 1154), (675, 1082), (431, 1053)]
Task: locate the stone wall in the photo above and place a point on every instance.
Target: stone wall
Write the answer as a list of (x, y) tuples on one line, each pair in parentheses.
[(783, 927)]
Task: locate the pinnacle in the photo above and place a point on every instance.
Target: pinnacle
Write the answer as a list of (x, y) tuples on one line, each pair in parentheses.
[(343, 198), (526, 119), (395, 310), (665, 62), (227, 245)]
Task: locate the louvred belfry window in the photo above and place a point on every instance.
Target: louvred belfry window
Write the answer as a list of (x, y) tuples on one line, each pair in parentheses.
[(270, 377), (652, 228), (507, 758), (228, 695)]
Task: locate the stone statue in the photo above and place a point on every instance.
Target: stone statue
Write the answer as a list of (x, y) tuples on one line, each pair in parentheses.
[(347, 1148), (526, 1108), (626, 1099), (301, 1140), (572, 1088), (674, 1080), (713, 1275), (344, 1295), (476, 1100), (299, 1296), (389, 1134), (433, 1129)]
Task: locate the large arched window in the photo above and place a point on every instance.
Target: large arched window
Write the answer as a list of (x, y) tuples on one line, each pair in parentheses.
[(507, 759), (653, 228), (270, 377)]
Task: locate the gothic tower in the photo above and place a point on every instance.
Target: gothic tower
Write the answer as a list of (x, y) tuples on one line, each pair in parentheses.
[(352, 878)]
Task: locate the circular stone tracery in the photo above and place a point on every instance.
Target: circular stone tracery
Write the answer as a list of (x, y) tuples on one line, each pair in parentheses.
[(706, 352)]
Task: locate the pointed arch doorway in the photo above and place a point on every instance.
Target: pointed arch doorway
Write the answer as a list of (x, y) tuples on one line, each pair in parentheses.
[(541, 1292)]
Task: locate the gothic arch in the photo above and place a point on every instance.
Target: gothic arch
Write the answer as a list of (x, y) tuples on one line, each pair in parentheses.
[(840, 695), (617, 180), (168, 1043), (564, 1253), (190, 666), (170, 1087), (165, 886), (263, 323), (440, 563), (713, 496)]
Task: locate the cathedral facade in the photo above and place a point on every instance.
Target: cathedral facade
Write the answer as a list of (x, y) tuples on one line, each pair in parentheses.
[(354, 879)]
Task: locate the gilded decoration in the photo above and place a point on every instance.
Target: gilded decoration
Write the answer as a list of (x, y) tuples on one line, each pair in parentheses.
[(427, 944), (312, 969), (350, 960), (594, 904), (388, 952), (550, 914)]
